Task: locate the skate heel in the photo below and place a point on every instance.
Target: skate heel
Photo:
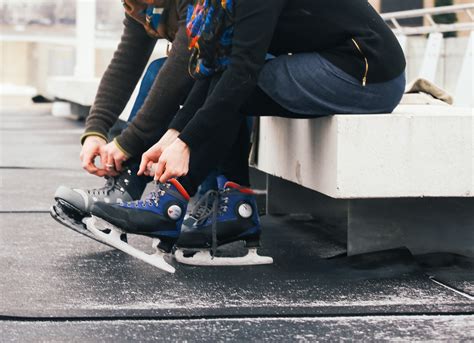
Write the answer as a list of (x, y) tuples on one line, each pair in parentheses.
[(166, 244), (252, 242)]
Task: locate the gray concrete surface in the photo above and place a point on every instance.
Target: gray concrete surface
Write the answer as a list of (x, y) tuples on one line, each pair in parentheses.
[(381, 328), (56, 285), (48, 270), (32, 189)]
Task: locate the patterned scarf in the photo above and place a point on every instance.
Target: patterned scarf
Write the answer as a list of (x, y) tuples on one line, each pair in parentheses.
[(210, 31), (154, 15)]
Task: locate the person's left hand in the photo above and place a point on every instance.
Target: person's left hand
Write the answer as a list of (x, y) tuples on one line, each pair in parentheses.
[(112, 158), (173, 162)]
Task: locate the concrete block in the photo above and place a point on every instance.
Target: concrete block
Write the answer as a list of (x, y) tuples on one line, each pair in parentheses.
[(416, 151), (424, 225)]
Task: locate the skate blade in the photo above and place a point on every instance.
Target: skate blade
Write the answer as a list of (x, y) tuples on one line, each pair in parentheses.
[(62, 218), (204, 258), (113, 238)]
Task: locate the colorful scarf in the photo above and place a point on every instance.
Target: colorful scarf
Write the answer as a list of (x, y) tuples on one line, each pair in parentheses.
[(152, 14), (210, 31)]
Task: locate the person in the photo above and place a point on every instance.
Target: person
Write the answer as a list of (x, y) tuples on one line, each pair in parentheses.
[(330, 57), (164, 87)]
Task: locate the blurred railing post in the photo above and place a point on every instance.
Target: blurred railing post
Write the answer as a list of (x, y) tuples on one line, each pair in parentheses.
[(85, 39)]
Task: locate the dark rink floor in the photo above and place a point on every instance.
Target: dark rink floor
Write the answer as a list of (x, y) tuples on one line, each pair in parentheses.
[(56, 285)]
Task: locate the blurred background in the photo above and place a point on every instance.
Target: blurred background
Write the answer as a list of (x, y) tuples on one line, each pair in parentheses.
[(42, 41)]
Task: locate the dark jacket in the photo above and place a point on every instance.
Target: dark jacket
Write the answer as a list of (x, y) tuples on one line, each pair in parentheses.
[(349, 33), (123, 74)]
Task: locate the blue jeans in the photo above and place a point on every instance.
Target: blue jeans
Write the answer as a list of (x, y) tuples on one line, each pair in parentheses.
[(145, 86), (309, 85)]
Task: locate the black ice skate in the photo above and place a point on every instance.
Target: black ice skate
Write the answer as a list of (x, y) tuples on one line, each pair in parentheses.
[(159, 217), (221, 217), (73, 205)]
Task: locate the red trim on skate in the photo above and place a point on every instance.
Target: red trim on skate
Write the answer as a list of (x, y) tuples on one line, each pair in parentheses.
[(230, 184), (180, 188)]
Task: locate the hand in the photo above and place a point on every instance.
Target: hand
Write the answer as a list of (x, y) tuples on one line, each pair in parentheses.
[(174, 162), (90, 149), (153, 154), (111, 158)]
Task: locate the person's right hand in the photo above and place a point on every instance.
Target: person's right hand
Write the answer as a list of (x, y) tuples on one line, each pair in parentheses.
[(90, 150), (153, 154)]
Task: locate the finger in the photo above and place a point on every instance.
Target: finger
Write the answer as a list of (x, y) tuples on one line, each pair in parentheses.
[(167, 175), (89, 167), (100, 173), (103, 158), (88, 163), (110, 166), (109, 163), (159, 169), (185, 171), (143, 165), (118, 164), (150, 169)]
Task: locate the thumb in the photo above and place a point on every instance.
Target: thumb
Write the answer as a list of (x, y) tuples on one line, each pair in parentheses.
[(150, 169)]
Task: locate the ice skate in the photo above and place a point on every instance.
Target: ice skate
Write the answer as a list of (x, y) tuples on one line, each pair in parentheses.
[(159, 217), (73, 205), (221, 217)]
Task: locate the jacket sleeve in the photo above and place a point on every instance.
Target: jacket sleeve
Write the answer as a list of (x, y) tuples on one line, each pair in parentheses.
[(167, 93), (120, 78), (254, 24), (194, 101)]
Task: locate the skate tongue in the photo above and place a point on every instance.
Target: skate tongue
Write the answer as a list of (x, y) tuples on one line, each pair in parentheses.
[(221, 181), (246, 190), (180, 188)]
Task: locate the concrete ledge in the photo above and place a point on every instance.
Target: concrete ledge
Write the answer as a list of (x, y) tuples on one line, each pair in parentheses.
[(76, 90), (418, 151)]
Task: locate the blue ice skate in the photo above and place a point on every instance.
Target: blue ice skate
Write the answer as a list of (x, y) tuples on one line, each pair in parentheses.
[(221, 217), (159, 216)]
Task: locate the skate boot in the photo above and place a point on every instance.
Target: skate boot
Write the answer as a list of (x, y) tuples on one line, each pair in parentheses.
[(221, 217), (159, 217), (73, 205)]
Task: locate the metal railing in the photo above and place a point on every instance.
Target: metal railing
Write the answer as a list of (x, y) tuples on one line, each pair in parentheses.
[(430, 26)]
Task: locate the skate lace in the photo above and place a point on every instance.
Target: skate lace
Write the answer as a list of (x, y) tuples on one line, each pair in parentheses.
[(203, 207), (211, 204), (153, 198), (110, 185)]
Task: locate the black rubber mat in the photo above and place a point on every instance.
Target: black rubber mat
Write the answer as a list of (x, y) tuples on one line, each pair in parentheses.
[(50, 271), (451, 270), (36, 121), (37, 139), (363, 329), (31, 155), (33, 189), (54, 139), (57, 285)]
